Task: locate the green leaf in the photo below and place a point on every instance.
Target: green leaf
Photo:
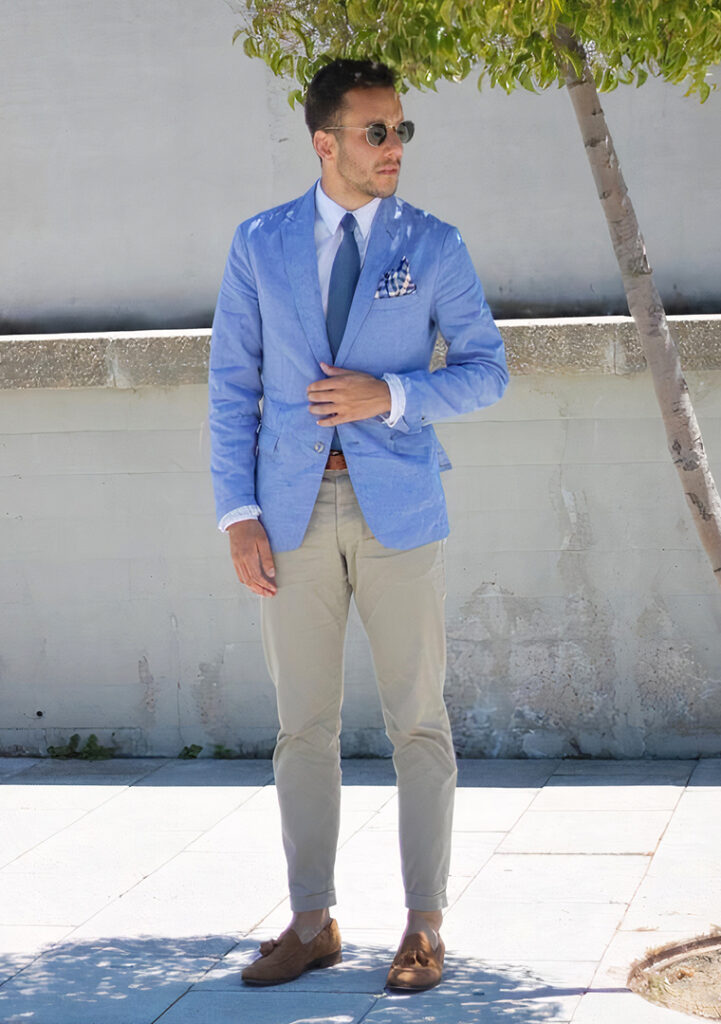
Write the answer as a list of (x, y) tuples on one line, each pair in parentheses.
[(510, 42)]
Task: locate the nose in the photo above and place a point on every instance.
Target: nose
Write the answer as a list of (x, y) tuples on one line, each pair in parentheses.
[(392, 144)]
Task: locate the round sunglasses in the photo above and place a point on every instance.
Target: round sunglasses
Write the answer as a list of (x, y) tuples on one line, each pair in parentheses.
[(377, 132)]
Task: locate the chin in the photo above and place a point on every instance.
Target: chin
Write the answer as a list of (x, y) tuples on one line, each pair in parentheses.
[(384, 191)]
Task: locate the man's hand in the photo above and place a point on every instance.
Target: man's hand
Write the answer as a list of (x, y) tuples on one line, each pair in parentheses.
[(347, 395), (252, 558)]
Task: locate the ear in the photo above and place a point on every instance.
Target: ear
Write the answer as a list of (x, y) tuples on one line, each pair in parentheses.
[(324, 143)]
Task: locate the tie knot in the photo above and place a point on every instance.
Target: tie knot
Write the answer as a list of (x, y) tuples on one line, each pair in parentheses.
[(348, 223)]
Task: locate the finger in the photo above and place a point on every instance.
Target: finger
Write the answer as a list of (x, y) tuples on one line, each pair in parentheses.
[(323, 408), (320, 386), (260, 591), (259, 582), (333, 371), (267, 565), (249, 573)]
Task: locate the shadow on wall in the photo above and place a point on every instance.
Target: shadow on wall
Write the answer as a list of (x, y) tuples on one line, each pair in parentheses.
[(172, 317), (101, 321)]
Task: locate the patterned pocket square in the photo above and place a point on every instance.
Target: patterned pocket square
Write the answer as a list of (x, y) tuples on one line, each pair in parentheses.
[(395, 283)]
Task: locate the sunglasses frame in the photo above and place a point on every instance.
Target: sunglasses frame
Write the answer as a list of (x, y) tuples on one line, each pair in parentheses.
[(409, 126)]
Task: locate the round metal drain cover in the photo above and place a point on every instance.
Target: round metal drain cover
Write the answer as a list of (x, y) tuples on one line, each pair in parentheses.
[(683, 976)]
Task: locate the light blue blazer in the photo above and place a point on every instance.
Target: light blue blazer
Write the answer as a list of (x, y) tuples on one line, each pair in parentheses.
[(269, 337)]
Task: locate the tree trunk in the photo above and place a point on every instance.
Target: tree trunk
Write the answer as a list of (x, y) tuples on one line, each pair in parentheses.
[(682, 431)]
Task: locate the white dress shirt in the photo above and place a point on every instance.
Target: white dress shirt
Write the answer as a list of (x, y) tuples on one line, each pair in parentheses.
[(328, 235)]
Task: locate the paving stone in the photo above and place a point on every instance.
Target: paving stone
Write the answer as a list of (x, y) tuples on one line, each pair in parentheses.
[(572, 793), (368, 772), (505, 773), (630, 772), (74, 772), (184, 807), (471, 851), (83, 994), (481, 809), (39, 798), (10, 766), (587, 832), (627, 947), (24, 828), (53, 898), (676, 904), (108, 853), (260, 1007), (545, 878), (243, 774), (474, 992), (706, 773), (498, 929), (363, 969), (624, 1008), (21, 944), (206, 892)]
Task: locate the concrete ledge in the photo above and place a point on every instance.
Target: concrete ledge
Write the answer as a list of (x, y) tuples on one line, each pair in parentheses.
[(133, 359), (126, 359)]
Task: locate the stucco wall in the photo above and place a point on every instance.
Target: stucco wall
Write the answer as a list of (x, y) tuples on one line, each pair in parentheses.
[(582, 615), (135, 138)]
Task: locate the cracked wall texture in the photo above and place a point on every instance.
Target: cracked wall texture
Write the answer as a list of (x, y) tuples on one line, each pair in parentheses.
[(583, 619)]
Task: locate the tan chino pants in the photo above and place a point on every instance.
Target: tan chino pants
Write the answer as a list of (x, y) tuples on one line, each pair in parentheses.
[(400, 596)]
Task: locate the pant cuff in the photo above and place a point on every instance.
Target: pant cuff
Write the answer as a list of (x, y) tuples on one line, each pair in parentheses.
[(415, 901), (300, 901)]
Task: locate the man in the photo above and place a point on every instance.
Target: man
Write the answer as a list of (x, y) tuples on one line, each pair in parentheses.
[(328, 311)]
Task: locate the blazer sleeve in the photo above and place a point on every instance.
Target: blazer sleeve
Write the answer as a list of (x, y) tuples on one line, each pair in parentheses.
[(235, 385), (475, 374)]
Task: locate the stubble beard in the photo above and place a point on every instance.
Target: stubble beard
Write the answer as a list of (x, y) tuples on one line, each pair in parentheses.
[(364, 183)]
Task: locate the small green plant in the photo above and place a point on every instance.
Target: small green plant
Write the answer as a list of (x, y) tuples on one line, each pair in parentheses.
[(224, 753), (190, 752), (92, 749)]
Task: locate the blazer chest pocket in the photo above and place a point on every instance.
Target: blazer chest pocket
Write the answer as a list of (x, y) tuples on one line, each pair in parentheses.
[(399, 303)]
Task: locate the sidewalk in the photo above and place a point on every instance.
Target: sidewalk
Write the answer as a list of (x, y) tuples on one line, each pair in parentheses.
[(133, 891)]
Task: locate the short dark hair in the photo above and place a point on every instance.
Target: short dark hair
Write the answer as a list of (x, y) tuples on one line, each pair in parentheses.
[(324, 97)]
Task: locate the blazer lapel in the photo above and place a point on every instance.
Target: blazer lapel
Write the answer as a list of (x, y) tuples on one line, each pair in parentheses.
[(301, 265), (384, 239)]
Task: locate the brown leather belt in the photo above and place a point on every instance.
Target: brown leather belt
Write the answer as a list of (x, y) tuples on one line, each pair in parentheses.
[(336, 460)]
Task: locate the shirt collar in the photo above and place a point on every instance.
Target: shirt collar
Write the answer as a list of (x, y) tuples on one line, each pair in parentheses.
[(332, 214)]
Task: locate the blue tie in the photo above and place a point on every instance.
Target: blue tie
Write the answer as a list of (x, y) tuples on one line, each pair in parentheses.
[(343, 280)]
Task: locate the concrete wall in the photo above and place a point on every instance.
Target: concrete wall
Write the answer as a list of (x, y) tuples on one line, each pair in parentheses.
[(135, 137), (582, 615)]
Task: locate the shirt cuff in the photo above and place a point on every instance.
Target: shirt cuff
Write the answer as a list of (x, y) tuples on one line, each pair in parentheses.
[(237, 515), (398, 399)]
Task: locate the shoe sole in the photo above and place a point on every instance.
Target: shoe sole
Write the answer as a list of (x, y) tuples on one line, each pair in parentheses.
[(324, 961), (412, 988)]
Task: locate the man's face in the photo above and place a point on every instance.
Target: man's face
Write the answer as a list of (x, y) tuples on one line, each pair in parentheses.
[(356, 171)]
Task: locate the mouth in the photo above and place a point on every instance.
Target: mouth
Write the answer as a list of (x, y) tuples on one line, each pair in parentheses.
[(388, 170)]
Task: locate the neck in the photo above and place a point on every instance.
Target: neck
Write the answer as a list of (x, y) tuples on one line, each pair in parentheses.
[(349, 199)]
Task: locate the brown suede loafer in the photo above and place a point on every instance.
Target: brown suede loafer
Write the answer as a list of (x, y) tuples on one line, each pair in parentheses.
[(286, 958), (417, 966)]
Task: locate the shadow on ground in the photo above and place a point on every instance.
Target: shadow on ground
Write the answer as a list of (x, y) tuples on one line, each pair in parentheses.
[(197, 978)]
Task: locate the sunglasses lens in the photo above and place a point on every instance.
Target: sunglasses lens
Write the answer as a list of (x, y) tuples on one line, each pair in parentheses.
[(376, 133), (405, 131)]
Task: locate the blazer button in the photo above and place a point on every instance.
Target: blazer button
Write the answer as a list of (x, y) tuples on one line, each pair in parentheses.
[(319, 446)]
